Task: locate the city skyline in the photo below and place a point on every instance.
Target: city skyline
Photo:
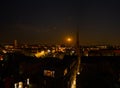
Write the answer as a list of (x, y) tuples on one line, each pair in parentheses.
[(51, 21)]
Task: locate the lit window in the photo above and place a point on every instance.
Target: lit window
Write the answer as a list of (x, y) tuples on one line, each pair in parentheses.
[(49, 73), (65, 71), (20, 85)]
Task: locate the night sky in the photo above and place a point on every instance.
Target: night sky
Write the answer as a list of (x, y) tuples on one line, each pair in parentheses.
[(51, 21)]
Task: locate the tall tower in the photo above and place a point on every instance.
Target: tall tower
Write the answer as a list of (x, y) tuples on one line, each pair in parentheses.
[(15, 44), (77, 42), (78, 50)]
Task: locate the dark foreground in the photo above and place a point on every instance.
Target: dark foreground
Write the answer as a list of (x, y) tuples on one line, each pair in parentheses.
[(96, 72), (99, 72)]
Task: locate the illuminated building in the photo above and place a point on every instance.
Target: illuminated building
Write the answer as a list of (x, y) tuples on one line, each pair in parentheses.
[(15, 44), (50, 72)]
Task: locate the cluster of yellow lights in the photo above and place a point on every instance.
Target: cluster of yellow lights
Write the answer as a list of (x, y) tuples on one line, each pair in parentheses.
[(40, 54)]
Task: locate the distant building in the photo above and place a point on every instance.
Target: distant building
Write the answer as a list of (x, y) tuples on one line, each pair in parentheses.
[(15, 44)]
